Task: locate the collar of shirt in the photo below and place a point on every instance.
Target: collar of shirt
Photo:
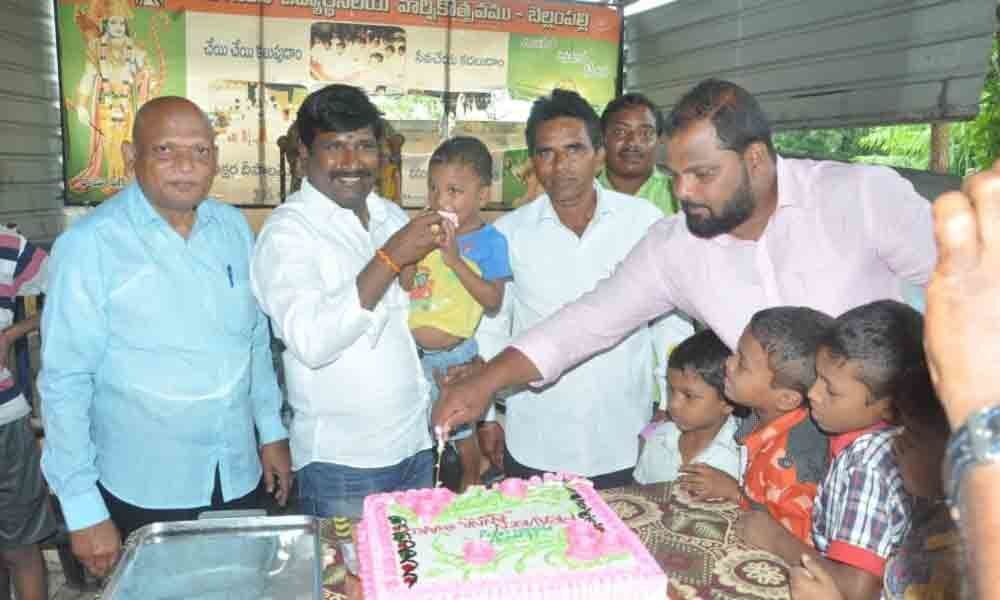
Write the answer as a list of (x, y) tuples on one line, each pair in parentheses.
[(843, 440), (789, 196), (142, 213), (779, 426), (320, 206), (656, 181), (546, 212), (726, 436)]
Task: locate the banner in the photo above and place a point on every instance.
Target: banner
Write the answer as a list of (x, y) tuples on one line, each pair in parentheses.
[(434, 67)]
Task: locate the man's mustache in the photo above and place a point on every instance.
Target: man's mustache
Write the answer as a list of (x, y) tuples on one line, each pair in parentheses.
[(691, 204), (632, 150), (364, 173)]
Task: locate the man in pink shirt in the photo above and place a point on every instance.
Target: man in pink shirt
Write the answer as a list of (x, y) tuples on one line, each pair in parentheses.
[(758, 230)]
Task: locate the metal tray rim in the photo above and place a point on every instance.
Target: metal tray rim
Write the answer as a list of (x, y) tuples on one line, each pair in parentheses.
[(149, 533)]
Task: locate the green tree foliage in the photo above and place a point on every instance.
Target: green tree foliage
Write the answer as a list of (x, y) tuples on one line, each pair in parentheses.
[(897, 146), (974, 144), (836, 144), (978, 140)]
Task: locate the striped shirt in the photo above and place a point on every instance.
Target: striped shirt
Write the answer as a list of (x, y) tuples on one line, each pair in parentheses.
[(22, 273), (862, 511)]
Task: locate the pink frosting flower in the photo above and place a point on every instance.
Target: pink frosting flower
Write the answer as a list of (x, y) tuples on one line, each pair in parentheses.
[(583, 548), (580, 528), (426, 503), (426, 509), (611, 543), (514, 488), (478, 552), (442, 495), (583, 541)]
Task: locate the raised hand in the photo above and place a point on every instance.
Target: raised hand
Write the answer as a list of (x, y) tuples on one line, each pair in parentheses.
[(963, 297), (416, 240)]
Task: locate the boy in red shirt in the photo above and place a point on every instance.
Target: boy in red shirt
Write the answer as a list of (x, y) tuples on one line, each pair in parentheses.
[(784, 455)]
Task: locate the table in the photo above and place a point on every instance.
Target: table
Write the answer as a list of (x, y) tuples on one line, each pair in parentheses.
[(693, 541)]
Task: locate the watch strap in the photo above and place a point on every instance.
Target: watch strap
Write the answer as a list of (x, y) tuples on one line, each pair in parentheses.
[(957, 460), (976, 442)]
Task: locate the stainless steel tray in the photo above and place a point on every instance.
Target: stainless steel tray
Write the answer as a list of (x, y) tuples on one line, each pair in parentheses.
[(245, 558)]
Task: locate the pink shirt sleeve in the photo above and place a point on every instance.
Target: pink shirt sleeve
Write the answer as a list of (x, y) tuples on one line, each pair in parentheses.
[(900, 225), (639, 290)]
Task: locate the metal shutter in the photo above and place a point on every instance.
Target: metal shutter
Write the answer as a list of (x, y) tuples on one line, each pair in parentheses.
[(819, 63), (31, 178)]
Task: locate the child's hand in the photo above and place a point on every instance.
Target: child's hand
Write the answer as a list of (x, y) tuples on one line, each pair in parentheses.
[(449, 245), (703, 482), (660, 416), (812, 582)]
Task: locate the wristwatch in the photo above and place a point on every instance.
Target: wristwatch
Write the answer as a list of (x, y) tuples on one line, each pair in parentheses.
[(976, 442)]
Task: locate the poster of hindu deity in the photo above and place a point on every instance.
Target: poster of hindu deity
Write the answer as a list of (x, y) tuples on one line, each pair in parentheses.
[(434, 67)]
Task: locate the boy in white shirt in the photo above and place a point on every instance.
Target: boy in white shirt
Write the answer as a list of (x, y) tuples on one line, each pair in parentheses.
[(701, 425)]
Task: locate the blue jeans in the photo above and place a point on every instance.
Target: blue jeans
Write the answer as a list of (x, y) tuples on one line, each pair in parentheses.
[(440, 360), (332, 490)]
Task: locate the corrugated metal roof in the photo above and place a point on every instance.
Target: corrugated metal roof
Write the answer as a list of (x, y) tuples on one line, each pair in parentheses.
[(819, 63), (31, 178)]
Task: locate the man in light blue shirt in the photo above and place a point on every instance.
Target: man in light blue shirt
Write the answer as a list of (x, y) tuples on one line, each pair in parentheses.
[(157, 380)]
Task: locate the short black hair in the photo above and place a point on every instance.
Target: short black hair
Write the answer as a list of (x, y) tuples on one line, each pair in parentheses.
[(627, 101), (705, 354), (791, 335), (917, 401), (339, 108), (469, 151), (563, 103), (886, 339), (734, 112)]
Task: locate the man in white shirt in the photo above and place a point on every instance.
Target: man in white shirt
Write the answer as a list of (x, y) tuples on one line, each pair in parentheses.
[(325, 271), (560, 246)]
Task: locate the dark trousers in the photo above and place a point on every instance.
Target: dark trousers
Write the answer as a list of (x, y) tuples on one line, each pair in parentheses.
[(129, 517), (512, 468)]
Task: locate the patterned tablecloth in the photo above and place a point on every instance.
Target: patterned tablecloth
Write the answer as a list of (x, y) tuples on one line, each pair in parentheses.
[(693, 541), (696, 545)]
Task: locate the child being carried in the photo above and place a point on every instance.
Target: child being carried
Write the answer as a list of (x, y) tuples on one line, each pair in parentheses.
[(452, 286)]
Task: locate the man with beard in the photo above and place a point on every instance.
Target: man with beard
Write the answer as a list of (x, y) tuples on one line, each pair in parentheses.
[(326, 271), (758, 231)]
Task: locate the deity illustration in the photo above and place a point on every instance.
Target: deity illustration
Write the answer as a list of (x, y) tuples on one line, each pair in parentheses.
[(117, 79)]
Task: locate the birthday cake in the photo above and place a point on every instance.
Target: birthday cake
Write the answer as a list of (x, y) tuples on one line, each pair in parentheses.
[(549, 538)]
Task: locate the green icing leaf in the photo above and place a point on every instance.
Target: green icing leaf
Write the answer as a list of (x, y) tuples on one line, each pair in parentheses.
[(479, 502)]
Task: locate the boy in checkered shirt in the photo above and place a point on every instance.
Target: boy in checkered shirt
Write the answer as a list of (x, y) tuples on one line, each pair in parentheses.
[(862, 511)]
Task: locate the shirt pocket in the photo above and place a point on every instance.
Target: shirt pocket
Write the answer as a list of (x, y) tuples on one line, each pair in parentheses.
[(237, 305)]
